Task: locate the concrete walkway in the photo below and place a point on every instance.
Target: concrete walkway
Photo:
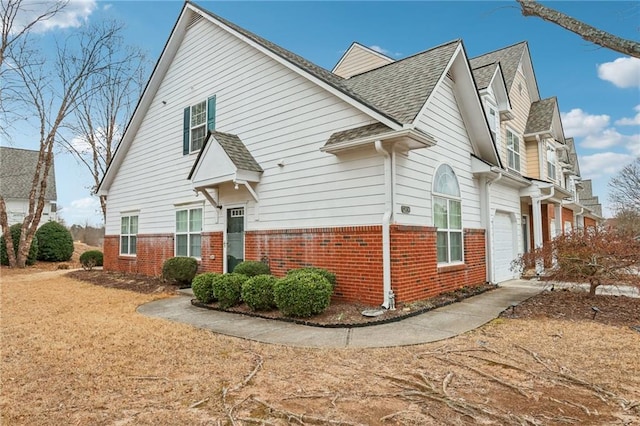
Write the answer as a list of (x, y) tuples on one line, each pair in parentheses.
[(438, 324)]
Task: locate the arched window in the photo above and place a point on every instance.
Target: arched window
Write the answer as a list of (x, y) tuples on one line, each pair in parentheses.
[(447, 215)]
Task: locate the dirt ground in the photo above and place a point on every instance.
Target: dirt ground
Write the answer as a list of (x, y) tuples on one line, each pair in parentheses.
[(77, 353)]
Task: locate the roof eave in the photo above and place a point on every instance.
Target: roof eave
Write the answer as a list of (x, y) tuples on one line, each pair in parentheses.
[(411, 139)]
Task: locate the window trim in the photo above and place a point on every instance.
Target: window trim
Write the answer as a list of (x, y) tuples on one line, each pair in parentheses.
[(189, 233), (209, 124), (129, 234), (553, 177), (516, 153), (448, 198)]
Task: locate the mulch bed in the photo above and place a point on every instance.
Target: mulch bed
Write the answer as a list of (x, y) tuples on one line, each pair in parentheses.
[(138, 283)]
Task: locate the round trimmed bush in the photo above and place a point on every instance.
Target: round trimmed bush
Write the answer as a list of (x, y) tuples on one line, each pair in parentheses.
[(16, 230), (55, 243), (179, 270), (251, 268), (227, 289), (202, 286), (329, 276), (91, 258), (302, 294), (257, 292)]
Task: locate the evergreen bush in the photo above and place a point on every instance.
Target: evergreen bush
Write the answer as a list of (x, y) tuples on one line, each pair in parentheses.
[(202, 286), (15, 236), (302, 294), (330, 276), (227, 289), (257, 292), (251, 268), (179, 270), (55, 243), (91, 258)]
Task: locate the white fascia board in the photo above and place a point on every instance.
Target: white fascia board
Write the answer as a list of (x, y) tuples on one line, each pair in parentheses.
[(328, 87), (530, 75), (499, 88), (157, 76)]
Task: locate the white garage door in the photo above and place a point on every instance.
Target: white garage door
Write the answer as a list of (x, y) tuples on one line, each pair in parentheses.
[(503, 250)]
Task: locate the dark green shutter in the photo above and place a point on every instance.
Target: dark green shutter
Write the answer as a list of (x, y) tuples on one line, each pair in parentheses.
[(211, 114), (186, 128)]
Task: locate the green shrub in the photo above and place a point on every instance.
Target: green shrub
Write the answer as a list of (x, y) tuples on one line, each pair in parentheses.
[(257, 292), (251, 268), (329, 276), (91, 258), (15, 236), (55, 243), (179, 270), (302, 294), (202, 286), (227, 289)]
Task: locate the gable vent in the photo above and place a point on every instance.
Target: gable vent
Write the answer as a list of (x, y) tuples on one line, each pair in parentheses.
[(195, 17), (450, 76)]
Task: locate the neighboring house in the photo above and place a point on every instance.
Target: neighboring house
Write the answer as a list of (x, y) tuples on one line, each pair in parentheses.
[(17, 168), (384, 172)]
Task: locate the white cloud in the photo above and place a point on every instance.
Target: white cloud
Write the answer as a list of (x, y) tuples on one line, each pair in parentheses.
[(634, 145), (635, 121), (384, 51), (577, 123), (603, 163), (623, 72), (73, 15), (606, 139), (82, 210)]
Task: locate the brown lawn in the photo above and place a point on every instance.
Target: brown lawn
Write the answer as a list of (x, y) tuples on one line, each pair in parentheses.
[(75, 353)]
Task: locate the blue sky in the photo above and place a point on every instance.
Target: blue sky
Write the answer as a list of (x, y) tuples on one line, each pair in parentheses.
[(598, 90)]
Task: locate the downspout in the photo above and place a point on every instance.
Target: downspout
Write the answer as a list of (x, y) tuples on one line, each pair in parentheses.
[(489, 237), (386, 222)]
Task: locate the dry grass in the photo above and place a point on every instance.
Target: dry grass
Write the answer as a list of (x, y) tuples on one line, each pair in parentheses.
[(73, 353)]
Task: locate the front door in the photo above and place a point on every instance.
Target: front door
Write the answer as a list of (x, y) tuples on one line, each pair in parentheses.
[(235, 237)]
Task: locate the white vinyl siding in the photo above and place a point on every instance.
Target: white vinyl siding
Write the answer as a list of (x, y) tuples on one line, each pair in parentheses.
[(278, 115), (415, 170), (128, 235)]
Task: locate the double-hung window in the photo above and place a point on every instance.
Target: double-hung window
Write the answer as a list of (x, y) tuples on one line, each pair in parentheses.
[(188, 232), (551, 162), (198, 119), (447, 215), (128, 235), (513, 151)]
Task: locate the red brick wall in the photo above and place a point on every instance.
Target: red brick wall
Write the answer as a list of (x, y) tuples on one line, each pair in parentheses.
[(354, 254), (567, 216), (589, 222), (152, 250), (414, 267), (212, 256)]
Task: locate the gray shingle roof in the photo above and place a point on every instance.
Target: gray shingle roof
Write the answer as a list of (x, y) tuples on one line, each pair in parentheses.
[(17, 167), (401, 88), (540, 115), (482, 75), (509, 58), (237, 151), (358, 132)]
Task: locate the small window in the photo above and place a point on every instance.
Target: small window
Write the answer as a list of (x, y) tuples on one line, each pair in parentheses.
[(493, 120), (198, 119), (188, 232), (447, 215), (128, 235), (513, 151), (551, 162)]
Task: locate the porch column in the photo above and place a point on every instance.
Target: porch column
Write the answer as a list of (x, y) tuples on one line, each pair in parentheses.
[(537, 230), (557, 222)]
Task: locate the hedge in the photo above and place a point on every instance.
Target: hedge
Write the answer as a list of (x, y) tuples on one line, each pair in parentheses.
[(257, 292), (16, 230), (180, 270), (55, 243), (302, 294)]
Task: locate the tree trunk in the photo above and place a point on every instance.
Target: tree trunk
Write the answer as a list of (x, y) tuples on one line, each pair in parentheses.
[(6, 232), (587, 32), (593, 284)]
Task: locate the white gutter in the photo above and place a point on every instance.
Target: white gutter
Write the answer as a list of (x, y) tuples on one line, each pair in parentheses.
[(386, 222), (489, 237)]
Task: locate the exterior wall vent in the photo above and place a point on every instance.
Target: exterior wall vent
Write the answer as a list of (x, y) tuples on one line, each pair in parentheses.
[(195, 17)]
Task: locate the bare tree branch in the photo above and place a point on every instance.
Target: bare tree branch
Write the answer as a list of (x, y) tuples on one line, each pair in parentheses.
[(625, 188), (587, 32)]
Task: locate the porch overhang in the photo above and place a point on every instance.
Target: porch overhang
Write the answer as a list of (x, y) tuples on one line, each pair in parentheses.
[(406, 139), (481, 168)]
